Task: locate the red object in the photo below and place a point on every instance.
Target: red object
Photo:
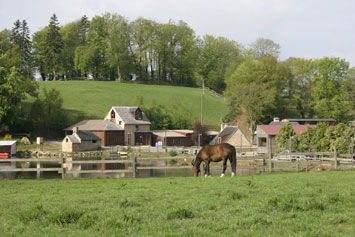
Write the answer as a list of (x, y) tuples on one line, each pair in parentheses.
[(4, 155), (275, 129)]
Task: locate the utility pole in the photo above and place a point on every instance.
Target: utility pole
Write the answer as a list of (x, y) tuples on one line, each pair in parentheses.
[(202, 98)]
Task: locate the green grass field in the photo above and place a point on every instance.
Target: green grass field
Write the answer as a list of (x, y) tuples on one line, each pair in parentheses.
[(95, 98), (278, 204)]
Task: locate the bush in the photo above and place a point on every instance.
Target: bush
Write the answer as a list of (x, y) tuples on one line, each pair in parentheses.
[(180, 213), (172, 153), (8, 137)]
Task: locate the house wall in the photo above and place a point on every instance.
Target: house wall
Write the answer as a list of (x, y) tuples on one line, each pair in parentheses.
[(271, 138), (67, 146), (110, 138), (239, 140)]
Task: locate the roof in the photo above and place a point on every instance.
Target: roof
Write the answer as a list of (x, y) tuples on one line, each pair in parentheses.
[(80, 136), (310, 120), (168, 133), (95, 125), (275, 129), (7, 143), (282, 123), (127, 115), (227, 131)]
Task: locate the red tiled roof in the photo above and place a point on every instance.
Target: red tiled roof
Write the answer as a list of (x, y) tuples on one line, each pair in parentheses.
[(275, 129)]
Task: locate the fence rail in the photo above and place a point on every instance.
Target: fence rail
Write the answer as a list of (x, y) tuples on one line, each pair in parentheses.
[(131, 165)]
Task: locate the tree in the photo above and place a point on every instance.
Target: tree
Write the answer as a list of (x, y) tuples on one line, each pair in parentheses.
[(265, 47), (200, 130), (20, 36), (285, 135), (258, 87), (54, 46), (328, 95), (216, 55), (83, 29)]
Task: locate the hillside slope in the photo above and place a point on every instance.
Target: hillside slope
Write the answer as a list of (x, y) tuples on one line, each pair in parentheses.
[(95, 98)]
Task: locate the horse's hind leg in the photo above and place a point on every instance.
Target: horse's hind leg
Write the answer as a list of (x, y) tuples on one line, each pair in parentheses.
[(224, 167)]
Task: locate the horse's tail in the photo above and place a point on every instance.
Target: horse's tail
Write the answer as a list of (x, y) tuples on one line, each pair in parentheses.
[(233, 160)]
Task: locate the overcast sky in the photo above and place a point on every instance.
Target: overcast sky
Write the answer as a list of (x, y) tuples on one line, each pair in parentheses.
[(303, 28)]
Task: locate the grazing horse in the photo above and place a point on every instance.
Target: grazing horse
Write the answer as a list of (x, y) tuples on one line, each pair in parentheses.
[(215, 153)]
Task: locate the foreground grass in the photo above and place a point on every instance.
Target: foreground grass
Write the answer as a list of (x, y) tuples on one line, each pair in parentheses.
[(95, 98), (280, 204)]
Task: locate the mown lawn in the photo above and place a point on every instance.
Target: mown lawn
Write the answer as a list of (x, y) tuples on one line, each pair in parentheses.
[(95, 98), (279, 204)]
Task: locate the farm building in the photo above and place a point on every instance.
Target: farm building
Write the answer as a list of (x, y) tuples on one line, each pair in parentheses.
[(121, 126), (135, 124), (173, 137), (109, 132), (81, 141), (234, 136), (7, 151), (266, 134)]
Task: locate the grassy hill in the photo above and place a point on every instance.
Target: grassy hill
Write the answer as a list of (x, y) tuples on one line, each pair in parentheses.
[(95, 98), (278, 204)]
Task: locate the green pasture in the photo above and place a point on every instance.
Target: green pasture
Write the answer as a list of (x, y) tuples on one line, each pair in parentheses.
[(277, 204), (95, 98)]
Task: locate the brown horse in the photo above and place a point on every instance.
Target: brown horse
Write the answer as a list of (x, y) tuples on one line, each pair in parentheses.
[(215, 153)]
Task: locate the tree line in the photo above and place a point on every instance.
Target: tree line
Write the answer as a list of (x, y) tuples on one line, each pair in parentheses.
[(110, 47)]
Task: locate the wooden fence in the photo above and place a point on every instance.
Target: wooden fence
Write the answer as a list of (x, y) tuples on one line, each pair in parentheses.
[(131, 166)]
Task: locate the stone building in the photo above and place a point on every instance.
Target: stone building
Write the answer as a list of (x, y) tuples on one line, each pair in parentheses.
[(80, 141)]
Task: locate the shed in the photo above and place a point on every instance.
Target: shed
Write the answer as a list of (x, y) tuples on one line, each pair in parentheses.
[(177, 137), (81, 141), (7, 149)]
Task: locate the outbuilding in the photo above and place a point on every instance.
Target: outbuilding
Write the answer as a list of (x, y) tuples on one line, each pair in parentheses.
[(81, 141), (7, 149)]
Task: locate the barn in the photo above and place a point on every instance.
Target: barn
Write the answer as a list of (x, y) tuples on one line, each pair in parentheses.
[(109, 132), (234, 136)]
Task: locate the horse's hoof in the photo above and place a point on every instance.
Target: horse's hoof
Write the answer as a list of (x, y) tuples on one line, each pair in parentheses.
[(222, 175), (233, 174)]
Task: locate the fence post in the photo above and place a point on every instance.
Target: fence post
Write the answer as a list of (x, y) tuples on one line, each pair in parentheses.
[(270, 154), (134, 165), (38, 171), (335, 158), (63, 167)]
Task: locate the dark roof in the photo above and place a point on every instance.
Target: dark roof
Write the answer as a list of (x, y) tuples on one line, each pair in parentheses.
[(311, 120), (127, 115), (95, 125), (80, 136), (227, 131)]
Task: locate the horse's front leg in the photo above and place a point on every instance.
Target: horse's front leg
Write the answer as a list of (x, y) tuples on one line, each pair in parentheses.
[(224, 167), (207, 170)]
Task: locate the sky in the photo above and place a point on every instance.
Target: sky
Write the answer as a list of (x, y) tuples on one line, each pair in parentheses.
[(303, 28)]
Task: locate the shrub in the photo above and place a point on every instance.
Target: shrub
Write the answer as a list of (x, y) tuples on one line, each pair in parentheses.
[(8, 137), (172, 153)]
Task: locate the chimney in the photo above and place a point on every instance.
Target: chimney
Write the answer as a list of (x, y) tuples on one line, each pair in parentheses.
[(75, 129), (276, 119), (223, 126)]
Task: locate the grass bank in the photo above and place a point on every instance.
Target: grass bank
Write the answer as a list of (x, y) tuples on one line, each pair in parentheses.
[(95, 98), (280, 204)]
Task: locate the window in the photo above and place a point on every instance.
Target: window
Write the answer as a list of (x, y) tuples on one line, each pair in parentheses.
[(113, 115), (138, 114), (93, 141), (67, 140), (262, 141), (120, 122)]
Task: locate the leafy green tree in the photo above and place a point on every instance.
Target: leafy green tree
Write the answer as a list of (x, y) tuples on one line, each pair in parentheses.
[(47, 111), (5, 43), (39, 52), (285, 135), (328, 96), (258, 87), (216, 55), (53, 46), (305, 140)]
